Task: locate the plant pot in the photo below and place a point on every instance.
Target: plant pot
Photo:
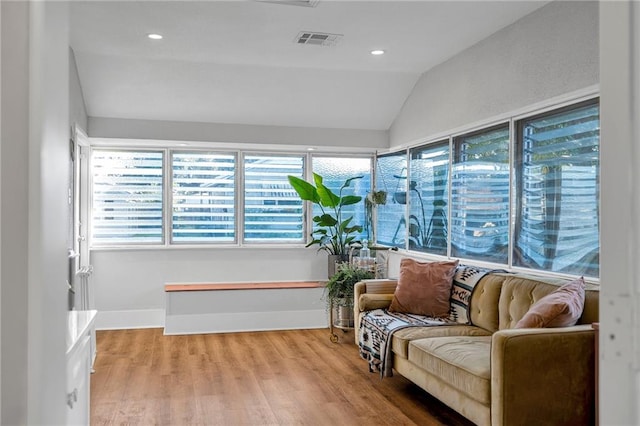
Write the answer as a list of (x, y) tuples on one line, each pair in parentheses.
[(333, 260), (343, 315)]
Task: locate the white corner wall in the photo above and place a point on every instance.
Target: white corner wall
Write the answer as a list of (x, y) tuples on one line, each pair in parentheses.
[(14, 221), (48, 167), (620, 213), (35, 135), (77, 109), (551, 52)]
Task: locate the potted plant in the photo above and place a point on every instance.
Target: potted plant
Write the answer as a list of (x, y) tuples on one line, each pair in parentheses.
[(332, 232), (373, 200), (339, 292)]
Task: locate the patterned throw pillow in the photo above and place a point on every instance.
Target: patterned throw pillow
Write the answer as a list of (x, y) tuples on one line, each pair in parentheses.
[(464, 281)]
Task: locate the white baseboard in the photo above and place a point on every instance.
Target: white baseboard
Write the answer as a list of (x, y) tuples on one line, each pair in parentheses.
[(121, 320), (244, 321)]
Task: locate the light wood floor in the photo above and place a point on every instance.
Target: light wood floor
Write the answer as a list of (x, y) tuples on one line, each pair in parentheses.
[(263, 378)]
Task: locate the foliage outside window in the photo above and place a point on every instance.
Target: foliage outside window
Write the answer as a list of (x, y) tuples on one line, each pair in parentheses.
[(273, 211), (203, 197), (127, 197)]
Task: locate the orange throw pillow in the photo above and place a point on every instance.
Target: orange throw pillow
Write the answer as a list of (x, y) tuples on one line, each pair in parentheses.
[(424, 288), (562, 308)]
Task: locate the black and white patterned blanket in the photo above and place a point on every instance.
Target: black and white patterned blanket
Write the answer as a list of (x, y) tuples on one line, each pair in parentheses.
[(378, 326)]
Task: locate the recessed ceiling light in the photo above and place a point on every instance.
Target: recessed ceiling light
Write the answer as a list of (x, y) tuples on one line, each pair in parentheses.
[(377, 52), (311, 148), (155, 36)]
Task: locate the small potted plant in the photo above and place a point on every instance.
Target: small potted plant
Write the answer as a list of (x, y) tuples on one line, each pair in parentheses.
[(339, 292), (371, 202)]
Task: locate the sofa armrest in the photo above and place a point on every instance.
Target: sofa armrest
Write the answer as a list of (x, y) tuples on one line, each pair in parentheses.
[(371, 294), (543, 376)]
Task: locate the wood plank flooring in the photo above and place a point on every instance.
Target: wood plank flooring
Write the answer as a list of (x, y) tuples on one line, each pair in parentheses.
[(293, 377)]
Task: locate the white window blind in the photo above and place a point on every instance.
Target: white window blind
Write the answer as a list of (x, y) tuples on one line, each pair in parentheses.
[(480, 195), (429, 193), (127, 197), (273, 211), (391, 176), (558, 191), (203, 208)]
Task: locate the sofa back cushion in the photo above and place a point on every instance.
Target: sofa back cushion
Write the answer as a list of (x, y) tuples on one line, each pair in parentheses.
[(483, 308), (560, 308), (520, 292)]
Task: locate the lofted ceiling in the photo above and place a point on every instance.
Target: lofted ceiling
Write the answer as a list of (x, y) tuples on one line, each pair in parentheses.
[(237, 61)]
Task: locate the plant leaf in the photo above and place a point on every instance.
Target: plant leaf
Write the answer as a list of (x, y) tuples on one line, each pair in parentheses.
[(347, 182), (347, 200), (305, 190)]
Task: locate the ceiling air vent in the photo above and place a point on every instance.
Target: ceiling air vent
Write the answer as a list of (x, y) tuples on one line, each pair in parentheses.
[(318, 39)]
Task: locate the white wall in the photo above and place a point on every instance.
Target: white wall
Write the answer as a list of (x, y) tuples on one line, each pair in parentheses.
[(34, 147), (620, 213), (14, 205), (48, 211), (77, 109), (236, 133), (548, 53), (129, 284)]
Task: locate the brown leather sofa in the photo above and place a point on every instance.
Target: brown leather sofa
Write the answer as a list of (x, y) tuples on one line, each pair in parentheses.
[(490, 372)]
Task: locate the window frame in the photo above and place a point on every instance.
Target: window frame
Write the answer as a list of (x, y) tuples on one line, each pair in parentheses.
[(554, 106), (167, 149), (309, 177), (518, 127), (169, 237), (242, 178), (91, 199), (455, 152)]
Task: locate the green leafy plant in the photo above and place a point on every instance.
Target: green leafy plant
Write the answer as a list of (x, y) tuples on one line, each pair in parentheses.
[(372, 200), (332, 232), (339, 289)]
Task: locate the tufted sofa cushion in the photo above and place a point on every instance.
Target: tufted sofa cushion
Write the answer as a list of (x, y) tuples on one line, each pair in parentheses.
[(462, 362), (402, 338), (521, 291), (483, 308)]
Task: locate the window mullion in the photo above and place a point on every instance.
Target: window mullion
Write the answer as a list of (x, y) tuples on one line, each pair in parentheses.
[(240, 195), (167, 209)]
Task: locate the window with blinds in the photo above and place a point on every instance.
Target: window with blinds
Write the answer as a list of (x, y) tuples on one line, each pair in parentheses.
[(203, 197), (480, 195), (273, 211), (429, 197), (391, 176), (127, 197), (335, 171), (557, 180)]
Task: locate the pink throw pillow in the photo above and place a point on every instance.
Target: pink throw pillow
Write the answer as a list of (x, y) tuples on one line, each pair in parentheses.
[(562, 308), (424, 288)]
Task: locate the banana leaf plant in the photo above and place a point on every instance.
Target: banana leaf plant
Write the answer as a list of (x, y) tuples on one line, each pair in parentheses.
[(332, 232)]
